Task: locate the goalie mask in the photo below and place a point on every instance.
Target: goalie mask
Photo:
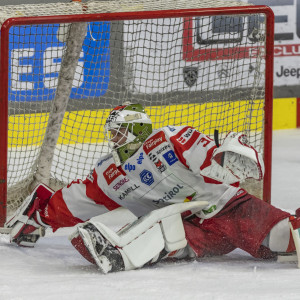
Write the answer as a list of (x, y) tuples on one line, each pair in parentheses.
[(126, 128)]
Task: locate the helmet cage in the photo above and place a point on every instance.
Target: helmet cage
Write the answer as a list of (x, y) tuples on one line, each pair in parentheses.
[(126, 130), (119, 135)]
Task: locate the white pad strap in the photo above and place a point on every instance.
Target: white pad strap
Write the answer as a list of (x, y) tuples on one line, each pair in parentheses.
[(144, 239), (239, 161)]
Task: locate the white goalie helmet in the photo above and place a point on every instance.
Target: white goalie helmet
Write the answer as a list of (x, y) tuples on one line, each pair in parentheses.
[(126, 128)]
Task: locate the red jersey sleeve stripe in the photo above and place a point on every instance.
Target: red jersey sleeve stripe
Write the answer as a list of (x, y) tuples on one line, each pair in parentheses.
[(179, 147), (94, 192), (57, 214)]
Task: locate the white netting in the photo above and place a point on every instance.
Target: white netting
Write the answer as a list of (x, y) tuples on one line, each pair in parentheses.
[(207, 72), (93, 7)]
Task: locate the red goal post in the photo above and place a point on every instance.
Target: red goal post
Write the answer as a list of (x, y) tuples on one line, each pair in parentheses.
[(175, 102)]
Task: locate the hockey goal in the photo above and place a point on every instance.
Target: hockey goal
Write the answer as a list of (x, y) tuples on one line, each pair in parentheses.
[(65, 65)]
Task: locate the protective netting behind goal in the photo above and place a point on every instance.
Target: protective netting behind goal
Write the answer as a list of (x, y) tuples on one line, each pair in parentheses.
[(207, 71)]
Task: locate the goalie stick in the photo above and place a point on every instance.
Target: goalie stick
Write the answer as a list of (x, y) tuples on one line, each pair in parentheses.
[(216, 138)]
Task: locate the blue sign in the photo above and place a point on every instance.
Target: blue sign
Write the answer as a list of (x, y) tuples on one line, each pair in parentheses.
[(35, 56), (146, 177), (170, 157)]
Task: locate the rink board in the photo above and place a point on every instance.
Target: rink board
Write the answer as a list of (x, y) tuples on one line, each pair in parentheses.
[(87, 126)]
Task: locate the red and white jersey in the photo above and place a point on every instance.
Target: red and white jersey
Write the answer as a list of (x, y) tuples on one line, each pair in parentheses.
[(165, 170)]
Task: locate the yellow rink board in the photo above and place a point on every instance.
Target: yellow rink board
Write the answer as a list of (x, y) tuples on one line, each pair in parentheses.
[(87, 126), (284, 113)]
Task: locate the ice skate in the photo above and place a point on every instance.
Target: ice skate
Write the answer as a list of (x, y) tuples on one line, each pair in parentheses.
[(107, 257)]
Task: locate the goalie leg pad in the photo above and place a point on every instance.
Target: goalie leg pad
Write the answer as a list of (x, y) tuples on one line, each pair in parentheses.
[(78, 243), (144, 248), (112, 219), (139, 242), (168, 234), (173, 231)]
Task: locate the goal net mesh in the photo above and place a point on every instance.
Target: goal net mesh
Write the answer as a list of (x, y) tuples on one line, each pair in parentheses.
[(204, 71)]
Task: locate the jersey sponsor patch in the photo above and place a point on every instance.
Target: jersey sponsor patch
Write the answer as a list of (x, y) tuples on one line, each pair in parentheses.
[(170, 157), (146, 177), (162, 149), (157, 162), (120, 183), (129, 167), (102, 161), (111, 173), (90, 177), (169, 195), (171, 128), (140, 158), (185, 136), (128, 191), (154, 141)]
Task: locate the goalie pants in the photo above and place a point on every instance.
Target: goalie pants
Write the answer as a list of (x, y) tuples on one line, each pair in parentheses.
[(243, 223)]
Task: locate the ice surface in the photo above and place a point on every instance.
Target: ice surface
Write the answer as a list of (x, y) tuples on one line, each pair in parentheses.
[(54, 270)]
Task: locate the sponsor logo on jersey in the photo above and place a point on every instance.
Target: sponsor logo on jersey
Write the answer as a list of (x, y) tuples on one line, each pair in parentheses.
[(140, 158), (120, 183), (157, 162), (103, 160), (169, 195), (209, 210), (154, 141), (185, 136), (159, 151), (111, 173), (128, 191), (46, 212), (146, 177), (171, 128), (90, 177), (170, 157), (129, 167)]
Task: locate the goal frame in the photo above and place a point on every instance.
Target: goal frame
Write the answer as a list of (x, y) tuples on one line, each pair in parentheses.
[(244, 10)]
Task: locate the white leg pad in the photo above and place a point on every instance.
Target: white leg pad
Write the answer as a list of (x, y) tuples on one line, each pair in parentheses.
[(144, 239), (174, 234), (143, 249), (116, 218)]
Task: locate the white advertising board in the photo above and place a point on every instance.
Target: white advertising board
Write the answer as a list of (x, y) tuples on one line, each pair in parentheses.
[(208, 66), (194, 53), (287, 40)]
